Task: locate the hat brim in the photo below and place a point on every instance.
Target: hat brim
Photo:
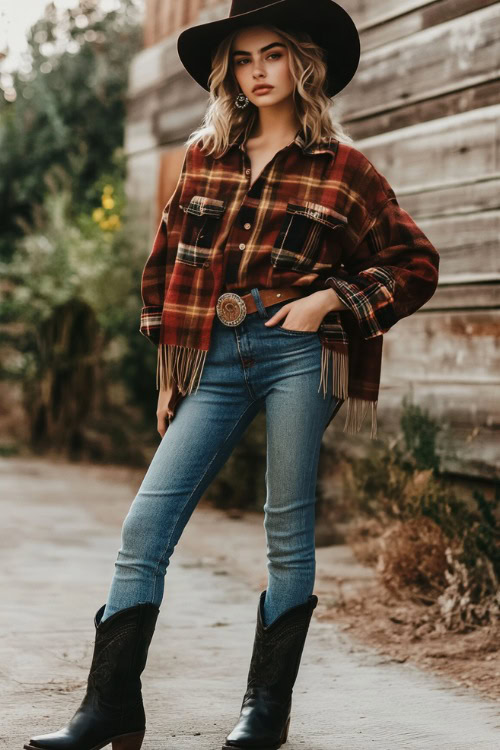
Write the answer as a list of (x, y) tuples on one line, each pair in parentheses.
[(328, 23)]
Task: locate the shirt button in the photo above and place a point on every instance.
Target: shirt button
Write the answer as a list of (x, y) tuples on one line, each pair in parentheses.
[(242, 246), (247, 171), (247, 225)]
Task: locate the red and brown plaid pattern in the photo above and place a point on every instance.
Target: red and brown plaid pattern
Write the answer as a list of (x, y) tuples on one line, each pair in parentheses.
[(315, 217)]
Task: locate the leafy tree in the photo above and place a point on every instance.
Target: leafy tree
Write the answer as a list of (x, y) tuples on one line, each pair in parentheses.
[(66, 107), (71, 252)]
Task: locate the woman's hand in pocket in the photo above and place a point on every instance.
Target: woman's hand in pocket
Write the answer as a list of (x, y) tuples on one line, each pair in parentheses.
[(307, 313)]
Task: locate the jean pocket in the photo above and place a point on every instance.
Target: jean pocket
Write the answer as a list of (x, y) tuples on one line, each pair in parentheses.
[(292, 331), (273, 309), (199, 229)]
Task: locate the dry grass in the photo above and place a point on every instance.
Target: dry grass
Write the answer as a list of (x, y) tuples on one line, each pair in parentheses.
[(426, 543)]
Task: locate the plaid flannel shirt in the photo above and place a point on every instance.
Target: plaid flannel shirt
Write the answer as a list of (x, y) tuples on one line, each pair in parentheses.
[(318, 217)]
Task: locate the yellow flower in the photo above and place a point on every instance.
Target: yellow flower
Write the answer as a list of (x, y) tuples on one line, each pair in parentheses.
[(104, 224), (108, 202), (107, 189), (114, 221), (97, 214)]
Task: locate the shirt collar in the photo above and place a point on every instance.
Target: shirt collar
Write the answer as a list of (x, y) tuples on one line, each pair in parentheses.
[(326, 145)]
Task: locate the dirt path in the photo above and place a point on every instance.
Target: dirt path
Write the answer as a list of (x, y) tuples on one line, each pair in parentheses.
[(59, 536)]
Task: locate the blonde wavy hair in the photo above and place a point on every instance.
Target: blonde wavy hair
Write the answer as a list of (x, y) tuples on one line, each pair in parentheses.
[(223, 123)]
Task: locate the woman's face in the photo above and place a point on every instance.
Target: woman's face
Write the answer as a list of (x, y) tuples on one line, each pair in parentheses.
[(259, 57)]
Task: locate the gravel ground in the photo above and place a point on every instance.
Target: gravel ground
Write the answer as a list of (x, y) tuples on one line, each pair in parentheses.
[(59, 537)]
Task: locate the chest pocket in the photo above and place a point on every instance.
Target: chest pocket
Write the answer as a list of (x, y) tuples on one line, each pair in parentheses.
[(198, 230), (298, 243)]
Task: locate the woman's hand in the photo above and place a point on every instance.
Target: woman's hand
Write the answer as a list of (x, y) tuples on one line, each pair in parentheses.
[(307, 313), (167, 400)]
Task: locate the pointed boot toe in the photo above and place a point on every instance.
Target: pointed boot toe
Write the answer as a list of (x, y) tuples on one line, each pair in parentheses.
[(112, 711), (264, 718)]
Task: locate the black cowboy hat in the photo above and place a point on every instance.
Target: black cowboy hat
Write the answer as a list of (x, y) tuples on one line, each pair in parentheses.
[(327, 22)]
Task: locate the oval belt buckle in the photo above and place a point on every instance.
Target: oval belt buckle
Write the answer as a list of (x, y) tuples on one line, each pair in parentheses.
[(231, 309)]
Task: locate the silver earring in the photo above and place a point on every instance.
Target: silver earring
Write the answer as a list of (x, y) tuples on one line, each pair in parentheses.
[(241, 101)]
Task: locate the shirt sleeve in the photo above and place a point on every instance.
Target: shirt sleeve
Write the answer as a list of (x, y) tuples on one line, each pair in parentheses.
[(154, 273), (153, 285), (391, 272)]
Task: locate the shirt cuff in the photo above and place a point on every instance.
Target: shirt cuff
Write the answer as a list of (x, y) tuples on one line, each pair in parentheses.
[(370, 300), (151, 322)]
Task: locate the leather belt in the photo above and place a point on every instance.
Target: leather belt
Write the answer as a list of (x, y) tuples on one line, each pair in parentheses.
[(232, 308)]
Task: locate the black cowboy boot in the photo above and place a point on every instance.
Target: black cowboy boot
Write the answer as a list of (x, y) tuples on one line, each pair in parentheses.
[(112, 710), (277, 650)]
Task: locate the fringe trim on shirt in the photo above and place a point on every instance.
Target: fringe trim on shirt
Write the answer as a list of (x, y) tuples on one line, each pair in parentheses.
[(340, 372), (356, 407), (356, 411), (181, 364)]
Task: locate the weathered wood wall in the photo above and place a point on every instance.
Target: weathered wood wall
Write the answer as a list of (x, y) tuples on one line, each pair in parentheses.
[(164, 17), (424, 107)]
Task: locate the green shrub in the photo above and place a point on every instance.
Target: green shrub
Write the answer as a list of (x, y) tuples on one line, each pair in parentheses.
[(70, 310)]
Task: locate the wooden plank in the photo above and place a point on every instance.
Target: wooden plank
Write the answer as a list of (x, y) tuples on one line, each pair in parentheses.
[(468, 46), (479, 94), (452, 346), (151, 68), (163, 11), (452, 199), (139, 137), (141, 187), (467, 244), (380, 12), (192, 12), (172, 124), (466, 278), (170, 165), (465, 296), (149, 23), (466, 145), (439, 91), (176, 19), (165, 107), (420, 18)]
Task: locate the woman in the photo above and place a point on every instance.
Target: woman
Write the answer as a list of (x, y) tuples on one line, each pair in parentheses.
[(282, 251)]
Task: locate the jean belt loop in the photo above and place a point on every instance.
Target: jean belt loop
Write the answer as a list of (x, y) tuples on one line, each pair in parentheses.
[(258, 301)]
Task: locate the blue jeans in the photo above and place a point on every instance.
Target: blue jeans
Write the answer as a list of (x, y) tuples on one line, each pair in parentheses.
[(249, 367)]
